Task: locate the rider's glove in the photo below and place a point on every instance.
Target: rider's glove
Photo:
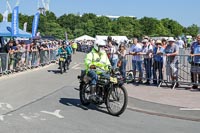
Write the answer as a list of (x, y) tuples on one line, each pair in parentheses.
[(92, 67)]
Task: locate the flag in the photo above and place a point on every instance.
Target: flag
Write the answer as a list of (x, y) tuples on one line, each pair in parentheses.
[(35, 24), (15, 21)]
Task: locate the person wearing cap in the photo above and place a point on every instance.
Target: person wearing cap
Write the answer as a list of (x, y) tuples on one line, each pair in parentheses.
[(158, 62), (147, 51), (136, 50), (171, 52)]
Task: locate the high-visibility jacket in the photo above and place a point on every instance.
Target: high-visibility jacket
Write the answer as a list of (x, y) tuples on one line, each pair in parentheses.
[(100, 60), (74, 45)]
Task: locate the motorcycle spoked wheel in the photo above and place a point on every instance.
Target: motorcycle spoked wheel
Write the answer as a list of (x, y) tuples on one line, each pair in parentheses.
[(117, 100), (83, 94), (61, 67)]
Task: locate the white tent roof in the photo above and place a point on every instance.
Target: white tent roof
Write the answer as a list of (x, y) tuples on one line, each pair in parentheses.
[(116, 38), (84, 37), (101, 37), (119, 38)]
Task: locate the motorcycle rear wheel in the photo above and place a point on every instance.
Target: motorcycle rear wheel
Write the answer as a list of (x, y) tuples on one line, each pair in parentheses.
[(83, 94)]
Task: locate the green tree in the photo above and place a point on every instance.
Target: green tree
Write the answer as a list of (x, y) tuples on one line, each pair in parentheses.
[(23, 19), (152, 27), (127, 26), (54, 29), (69, 21), (102, 25), (192, 30), (1, 18), (174, 28), (51, 16), (90, 24)]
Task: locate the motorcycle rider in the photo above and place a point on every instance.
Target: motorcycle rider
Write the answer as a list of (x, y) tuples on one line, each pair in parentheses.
[(65, 51), (96, 63)]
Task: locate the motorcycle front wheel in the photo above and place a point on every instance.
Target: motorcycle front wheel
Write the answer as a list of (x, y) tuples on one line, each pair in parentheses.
[(61, 67), (116, 100)]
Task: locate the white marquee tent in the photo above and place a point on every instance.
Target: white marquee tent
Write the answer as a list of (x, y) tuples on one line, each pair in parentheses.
[(84, 37), (115, 38)]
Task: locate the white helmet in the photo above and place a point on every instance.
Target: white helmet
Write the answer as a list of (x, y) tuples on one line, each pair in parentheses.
[(99, 43)]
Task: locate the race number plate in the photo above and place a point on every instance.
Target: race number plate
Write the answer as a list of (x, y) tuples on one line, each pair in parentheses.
[(62, 59), (113, 79)]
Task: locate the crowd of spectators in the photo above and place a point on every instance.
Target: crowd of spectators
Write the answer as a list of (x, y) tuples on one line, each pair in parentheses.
[(22, 55)]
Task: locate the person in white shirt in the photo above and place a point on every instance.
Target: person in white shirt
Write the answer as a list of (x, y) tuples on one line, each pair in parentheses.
[(147, 51), (180, 43), (136, 50)]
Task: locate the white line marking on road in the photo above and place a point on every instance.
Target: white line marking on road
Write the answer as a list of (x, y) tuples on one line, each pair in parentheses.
[(25, 117), (2, 117), (190, 109), (55, 113), (75, 66), (5, 106)]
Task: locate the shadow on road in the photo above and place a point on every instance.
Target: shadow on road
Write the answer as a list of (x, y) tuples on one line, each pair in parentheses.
[(77, 103), (54, 71)]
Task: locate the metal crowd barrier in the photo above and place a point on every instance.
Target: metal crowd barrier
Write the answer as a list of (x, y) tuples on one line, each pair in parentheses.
[(182, 68), (20, 61)]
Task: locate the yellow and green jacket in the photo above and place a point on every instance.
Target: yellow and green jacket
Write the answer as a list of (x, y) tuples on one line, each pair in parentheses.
[(98, 59)]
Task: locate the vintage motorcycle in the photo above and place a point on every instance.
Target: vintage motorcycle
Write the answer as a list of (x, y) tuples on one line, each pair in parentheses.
[(109, 90), (62, 63)]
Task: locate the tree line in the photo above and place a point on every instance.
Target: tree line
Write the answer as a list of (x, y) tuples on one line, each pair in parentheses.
[(75, 25)]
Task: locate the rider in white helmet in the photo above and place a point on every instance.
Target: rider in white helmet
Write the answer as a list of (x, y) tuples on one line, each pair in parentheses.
[(96, 63)]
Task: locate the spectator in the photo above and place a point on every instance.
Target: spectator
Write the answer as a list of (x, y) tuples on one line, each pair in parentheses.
[(112, 52), (147, 50), (164, 43), (74, 47), (180, 43), (195, 66), (171, 52), (158, 62), (135, 50), (113, 55), (122, 59), (4, 55)]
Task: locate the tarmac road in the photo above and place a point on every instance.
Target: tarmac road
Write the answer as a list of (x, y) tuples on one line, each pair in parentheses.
[(44, 101)]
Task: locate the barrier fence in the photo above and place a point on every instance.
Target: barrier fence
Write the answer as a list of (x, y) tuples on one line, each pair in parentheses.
[(166, 72), (19, 61)]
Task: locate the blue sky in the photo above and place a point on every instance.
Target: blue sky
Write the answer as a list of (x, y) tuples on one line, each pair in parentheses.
[(185, 12)]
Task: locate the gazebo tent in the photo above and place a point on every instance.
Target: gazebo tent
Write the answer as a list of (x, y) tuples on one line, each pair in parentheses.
[(6, 33), (116, 38), (84, 37)]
